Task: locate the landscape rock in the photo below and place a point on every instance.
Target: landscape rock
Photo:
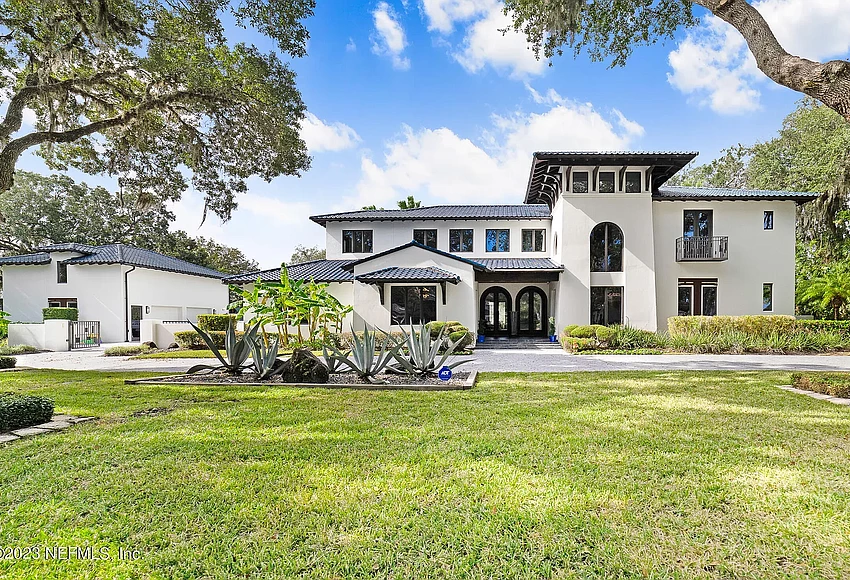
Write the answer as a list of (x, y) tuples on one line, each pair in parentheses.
[(149, 344), (304, 367), (173, 345)]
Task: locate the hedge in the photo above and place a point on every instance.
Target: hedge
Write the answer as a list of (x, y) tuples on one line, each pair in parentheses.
[(215, 322), (192, 340), (574, 344), (833, 384), (8, 362), (760, 326), (126, 350), (19, 411), (60, 313), (841, 327)]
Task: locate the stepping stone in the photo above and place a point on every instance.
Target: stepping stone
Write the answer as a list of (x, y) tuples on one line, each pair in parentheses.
[(54, 425), (62, 418), (76, 420), (7, 437), (29, 431)]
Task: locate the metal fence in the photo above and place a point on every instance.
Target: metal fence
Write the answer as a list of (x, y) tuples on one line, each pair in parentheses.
[(83, 334)]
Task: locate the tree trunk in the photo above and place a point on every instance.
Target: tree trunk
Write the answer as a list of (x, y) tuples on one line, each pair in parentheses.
[(827, 82)]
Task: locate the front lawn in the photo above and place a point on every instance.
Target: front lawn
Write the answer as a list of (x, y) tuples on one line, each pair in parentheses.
[(591, 475)]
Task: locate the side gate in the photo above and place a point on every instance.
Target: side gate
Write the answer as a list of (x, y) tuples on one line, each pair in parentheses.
[(83, 334)]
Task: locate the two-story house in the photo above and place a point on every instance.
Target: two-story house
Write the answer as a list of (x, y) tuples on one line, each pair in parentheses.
[(599, 239)]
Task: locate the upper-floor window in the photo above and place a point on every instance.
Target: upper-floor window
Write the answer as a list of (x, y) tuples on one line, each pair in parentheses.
[(498, 240), (580, 179), (698, 223), (606, 182), (61, 273), (533, 240), (606, 248), (460, 240), (357, 241), (632, 181), (768, 220), (426, 237)]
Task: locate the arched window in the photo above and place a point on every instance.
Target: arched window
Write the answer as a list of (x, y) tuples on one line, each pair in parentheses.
[(606, 248)]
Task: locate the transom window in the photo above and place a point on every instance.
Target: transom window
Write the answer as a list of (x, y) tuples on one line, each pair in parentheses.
[(357, 241), (767, 297), (460, 240), (413, 304), (61, 273), (606, 248), (533, 240), (633, 182), (426, 237), (697, 297), (498, 240), (606, 182), (580, 179), (698, 223), (606, 305), (768, 220)]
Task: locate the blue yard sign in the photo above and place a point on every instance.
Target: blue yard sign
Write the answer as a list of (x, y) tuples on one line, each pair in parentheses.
[(445, 373)]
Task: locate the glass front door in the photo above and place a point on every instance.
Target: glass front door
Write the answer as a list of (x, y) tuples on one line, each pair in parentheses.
[(495, 312), (531, 312), (135, 323)]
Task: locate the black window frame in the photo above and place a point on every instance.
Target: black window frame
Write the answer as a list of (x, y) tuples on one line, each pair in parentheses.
[(629, 187), (537, 234), (606, 293), (768, 220), (61, 273), (583, 185), (696, 212), (412, 317), (498, 239), (767, 288), (609, 188), (352, 246), (608, 242), (462, 233), (425, 233)]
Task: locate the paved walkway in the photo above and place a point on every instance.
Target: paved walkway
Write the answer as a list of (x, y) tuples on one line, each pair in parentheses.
[(549, 360)]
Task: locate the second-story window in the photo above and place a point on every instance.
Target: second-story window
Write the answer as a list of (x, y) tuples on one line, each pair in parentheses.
[(698, 223), (533, 240), (606, 182), (61, 273), (460, 240), (580, 182), (357, 241), (498, 240), (426, 237), (768, 220), (632, 181)]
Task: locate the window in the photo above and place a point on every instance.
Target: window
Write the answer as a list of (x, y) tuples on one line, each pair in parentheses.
[(697, 297), (698, 223), (426, 237), (413, 304), (62, 303), (632, 181), (61, 273), (533, 240), (606, 248), (767, 297), (580, 181), (357, 241), (606, 305), (606, 182), (498, 240), (768, 220), (460, 240)]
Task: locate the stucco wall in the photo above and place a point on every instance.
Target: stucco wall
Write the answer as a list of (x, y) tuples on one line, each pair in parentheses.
[(756, 256)]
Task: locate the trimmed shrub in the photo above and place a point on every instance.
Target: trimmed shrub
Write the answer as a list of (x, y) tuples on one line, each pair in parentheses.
[(463, 339), (215, 322), (192, 340), (19, 349), (752, 325), (59, 313), (569, 328), (128, 350), (8, 362), (841, 327), (832, 384), (606, 334), (583, 331), (435, 327), (19, 411), (574, 344)]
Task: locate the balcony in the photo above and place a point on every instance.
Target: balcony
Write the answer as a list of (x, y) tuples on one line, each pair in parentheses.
[(702, 249)]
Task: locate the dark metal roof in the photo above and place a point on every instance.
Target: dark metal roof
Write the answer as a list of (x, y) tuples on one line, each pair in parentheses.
[(68, 247), (316, 270), (26, 260), (414, 244), (520, 264), (440, 212), (544, 181), (671, 193), (132, 256), (398, 274)]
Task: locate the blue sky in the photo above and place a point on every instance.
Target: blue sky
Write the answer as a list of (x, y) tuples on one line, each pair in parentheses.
[(428, 98)]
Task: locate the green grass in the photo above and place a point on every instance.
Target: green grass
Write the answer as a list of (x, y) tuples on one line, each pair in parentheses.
[(596, 475)]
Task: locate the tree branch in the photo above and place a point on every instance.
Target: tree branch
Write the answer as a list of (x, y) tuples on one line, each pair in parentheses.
[(827, 82)]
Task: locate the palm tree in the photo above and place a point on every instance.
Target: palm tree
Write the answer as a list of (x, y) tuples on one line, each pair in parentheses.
[(830, 290)]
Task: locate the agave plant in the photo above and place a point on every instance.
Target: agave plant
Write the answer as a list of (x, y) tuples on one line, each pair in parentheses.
[(265, 361), (423, 352), (366, 360), (236, 349), (331, 361)]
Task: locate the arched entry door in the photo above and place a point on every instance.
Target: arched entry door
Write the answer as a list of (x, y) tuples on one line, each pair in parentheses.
[(531, 312), (495, 315)]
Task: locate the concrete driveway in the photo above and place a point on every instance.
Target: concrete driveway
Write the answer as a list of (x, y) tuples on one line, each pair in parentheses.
[(549, 360)]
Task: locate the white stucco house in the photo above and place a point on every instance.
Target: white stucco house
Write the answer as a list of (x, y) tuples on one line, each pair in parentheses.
[(599, 239), (116, 284)]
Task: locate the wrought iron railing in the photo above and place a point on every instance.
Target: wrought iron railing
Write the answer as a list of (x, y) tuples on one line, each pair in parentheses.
[(83, 334), (702, 249)]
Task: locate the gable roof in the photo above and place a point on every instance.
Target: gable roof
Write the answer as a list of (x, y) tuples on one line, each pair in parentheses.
[(674, 193), (414, 244), (440, 212), (317, 270), (68, 247), (400, 274)]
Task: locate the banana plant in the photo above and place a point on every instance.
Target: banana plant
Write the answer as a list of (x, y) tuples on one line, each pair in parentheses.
[(423, 352), (236, 349)]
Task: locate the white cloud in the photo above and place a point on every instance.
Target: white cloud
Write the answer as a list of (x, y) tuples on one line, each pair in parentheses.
[(484, 45), (351, 46), (320, 136), (713, 63), (444, 166), (389, 39), (442, 14)]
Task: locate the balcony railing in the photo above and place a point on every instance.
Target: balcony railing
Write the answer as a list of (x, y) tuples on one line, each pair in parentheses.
[(702, 249)]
